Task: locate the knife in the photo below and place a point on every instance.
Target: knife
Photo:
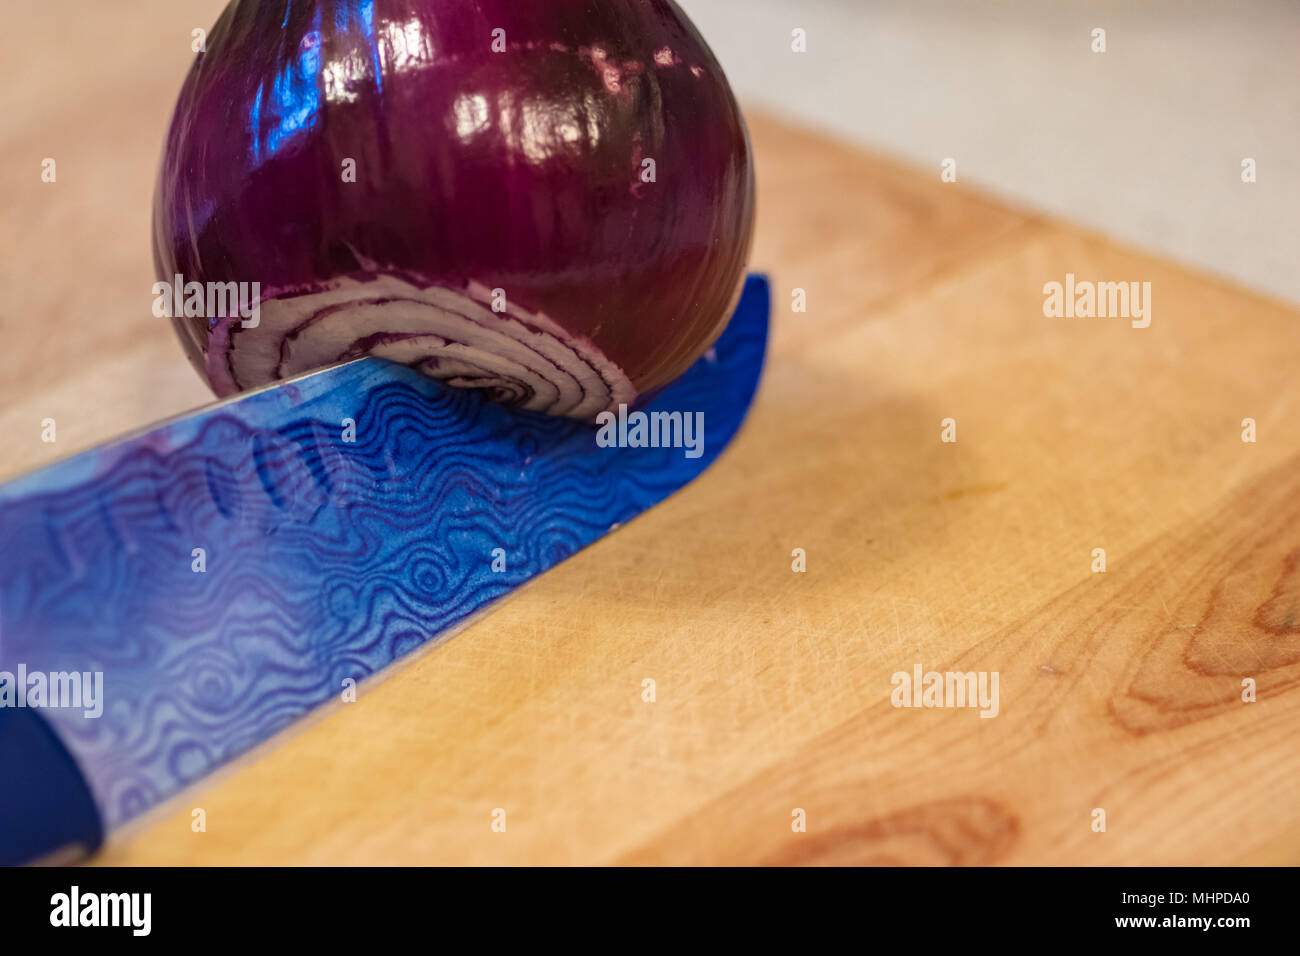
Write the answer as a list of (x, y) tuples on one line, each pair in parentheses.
[(170, 600)]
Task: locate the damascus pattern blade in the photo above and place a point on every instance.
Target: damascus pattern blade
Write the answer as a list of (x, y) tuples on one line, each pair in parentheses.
[(228, 571)]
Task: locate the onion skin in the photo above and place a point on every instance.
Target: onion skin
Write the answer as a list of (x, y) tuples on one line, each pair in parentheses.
[(519, 170)]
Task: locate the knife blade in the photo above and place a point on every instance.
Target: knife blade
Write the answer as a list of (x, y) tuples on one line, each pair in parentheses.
[(210, 581)]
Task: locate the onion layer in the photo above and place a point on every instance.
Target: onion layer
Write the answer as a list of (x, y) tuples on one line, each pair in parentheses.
[(551, 201)]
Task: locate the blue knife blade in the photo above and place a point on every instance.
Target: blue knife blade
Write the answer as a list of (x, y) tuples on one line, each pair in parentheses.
[(226, 572)]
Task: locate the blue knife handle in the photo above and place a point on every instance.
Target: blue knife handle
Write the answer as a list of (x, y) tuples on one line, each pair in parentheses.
[(46, 809)]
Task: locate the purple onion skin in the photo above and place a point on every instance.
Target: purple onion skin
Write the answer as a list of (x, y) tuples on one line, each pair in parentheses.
[(519, 170)]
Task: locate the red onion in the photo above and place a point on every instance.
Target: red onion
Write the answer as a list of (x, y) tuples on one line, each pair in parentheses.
[(495, 145)]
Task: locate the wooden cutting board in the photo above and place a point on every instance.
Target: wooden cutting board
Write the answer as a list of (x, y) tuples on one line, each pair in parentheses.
[(1118, 690)]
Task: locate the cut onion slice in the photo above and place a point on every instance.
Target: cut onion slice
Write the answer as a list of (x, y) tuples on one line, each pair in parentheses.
[(518, 357)]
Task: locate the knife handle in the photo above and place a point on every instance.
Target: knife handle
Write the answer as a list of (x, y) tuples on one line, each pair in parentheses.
[(46, 811)]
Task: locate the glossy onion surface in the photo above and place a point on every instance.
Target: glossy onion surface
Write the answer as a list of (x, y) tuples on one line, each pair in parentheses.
[(497, 230)]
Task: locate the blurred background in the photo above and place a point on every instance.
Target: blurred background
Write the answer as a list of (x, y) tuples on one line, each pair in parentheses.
[(1143, 143)]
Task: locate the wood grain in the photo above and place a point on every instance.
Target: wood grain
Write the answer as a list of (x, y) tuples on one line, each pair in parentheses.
[(1119, 690)]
